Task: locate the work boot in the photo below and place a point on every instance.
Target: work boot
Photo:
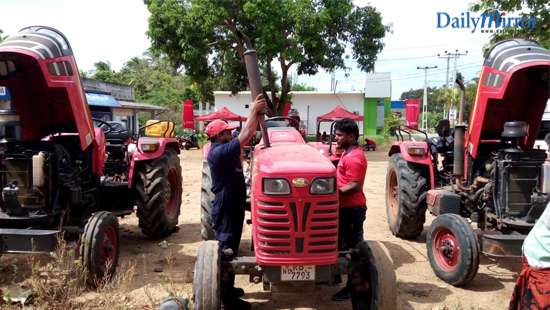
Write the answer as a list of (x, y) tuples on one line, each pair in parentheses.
[(237, 292), (343, 294)]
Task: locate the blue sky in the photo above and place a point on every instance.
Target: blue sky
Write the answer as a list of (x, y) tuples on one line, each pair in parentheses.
[(115, 31)]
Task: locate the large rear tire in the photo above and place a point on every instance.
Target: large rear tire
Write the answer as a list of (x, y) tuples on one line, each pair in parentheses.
[(207, 278), (373, 278), (158, 187), (99, 248), (207, 199), (453, 249), (406, 190)]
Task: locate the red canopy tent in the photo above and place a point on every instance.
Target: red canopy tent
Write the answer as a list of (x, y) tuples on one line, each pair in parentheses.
[(339, 113), (223, 114)]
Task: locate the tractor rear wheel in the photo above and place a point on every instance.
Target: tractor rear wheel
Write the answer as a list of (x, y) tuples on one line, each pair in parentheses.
[(373, 278), (453, 249), (207, 199), (158, 187), (406, 190), (207, 278), (99, 247)]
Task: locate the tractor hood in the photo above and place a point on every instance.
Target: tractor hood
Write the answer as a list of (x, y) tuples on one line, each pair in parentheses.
[(39, 70), (291, 159), (514, 86)]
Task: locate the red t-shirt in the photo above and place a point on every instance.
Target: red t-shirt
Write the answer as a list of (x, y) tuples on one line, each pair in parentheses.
[(352, 168)]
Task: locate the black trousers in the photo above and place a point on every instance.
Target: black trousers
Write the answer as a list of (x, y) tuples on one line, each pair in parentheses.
[(350, 226)]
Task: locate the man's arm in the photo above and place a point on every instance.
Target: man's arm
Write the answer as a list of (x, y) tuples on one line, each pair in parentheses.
[(249, 130), (348, 189)]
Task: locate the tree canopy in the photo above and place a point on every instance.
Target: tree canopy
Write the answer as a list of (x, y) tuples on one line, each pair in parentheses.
[(203, 36), (539, 9), (152, 78), (2, 37)]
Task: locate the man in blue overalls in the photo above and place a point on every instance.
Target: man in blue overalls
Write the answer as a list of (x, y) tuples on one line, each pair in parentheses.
[(228, 185)]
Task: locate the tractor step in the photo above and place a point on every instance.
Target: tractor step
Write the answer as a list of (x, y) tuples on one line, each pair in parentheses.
[(27, 240), (501, 245)]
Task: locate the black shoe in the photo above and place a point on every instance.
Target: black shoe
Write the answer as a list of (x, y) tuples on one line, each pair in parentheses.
[(343, 294)]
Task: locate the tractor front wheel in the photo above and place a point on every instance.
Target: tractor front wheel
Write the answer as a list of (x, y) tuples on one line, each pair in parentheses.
[(207, 199), (158, 187), (406, 190), (207, 278), (99, 247), (373, 278), (453, 249)]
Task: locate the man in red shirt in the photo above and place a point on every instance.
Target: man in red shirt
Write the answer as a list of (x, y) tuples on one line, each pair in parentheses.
[(350, 176)]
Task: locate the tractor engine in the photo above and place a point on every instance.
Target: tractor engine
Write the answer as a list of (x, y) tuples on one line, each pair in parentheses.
[(39, 180), (514, 195)]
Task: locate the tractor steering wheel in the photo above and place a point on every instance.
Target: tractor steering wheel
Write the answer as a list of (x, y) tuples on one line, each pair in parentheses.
[(106, 127), (286, 118)]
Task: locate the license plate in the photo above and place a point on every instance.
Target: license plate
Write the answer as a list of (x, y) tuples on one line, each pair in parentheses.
[(297, 273)]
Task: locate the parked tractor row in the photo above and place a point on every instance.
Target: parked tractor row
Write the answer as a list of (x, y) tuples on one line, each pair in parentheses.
[(66, 175)]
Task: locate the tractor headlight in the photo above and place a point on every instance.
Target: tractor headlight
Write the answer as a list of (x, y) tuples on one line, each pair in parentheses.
[(276, 187), (149, 147), (323, 186)]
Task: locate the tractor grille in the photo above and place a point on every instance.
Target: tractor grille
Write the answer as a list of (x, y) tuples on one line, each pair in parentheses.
[(297, 228)]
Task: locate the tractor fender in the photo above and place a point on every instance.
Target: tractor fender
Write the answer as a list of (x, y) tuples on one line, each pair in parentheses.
[(425, 159), (139, 155)]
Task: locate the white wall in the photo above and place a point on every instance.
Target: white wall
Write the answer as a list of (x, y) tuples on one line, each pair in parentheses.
[(319, 103)]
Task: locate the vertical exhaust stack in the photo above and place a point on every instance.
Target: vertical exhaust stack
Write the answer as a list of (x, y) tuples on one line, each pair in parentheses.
[(254, 81), (460, 129)]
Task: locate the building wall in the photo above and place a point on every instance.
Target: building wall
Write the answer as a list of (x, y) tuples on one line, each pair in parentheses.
[(127, 116), (309, 105)]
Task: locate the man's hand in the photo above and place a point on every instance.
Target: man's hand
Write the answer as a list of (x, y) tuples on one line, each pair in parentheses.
[(257, 110), (259, 105)]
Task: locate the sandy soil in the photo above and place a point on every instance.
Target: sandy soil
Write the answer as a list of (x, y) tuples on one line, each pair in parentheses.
[(155, 269)]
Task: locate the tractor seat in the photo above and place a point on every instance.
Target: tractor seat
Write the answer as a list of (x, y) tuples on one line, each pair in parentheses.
[(445, 137), (118, 133)]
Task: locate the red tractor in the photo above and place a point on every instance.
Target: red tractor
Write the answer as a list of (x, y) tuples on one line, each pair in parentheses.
[(485, 183), (60, 175), (294, 215)]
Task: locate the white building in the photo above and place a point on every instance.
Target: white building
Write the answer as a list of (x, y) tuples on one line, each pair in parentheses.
[(309, 105)]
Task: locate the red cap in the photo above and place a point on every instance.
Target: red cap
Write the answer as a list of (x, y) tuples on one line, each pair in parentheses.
[(217, 126)]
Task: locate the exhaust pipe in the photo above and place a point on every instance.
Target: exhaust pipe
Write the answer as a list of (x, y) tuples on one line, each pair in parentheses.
[(254, 81), (460, 130)]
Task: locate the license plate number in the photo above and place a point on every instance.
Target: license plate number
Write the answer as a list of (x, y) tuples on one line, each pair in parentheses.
[(297, 273)]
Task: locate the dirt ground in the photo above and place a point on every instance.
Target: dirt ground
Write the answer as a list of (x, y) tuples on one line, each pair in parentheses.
[(156, 269)]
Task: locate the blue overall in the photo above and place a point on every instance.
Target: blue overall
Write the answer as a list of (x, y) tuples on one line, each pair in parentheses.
[(229, 187)]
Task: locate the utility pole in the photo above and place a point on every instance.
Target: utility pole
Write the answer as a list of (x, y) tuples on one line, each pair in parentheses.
[(424, 124), (450, 56), (449, 83)]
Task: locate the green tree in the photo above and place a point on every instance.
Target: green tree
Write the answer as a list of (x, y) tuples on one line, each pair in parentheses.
[(2, 37), (537, 9), (102, 71), (204, 36), (302, 87)]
